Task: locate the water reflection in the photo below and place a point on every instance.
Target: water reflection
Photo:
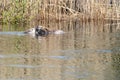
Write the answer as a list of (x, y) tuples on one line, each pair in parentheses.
[(13, 33), (85, 52)]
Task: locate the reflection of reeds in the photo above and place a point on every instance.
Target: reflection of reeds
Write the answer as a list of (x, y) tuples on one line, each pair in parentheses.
[(28, 10)]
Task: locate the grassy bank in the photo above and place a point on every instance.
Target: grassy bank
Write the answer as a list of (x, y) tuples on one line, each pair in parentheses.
[(25, 11)]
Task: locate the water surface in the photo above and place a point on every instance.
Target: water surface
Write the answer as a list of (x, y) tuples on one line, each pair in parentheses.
[(85, 52)]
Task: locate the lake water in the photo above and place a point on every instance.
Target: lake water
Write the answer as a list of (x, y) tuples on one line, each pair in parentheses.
[(86, 51)]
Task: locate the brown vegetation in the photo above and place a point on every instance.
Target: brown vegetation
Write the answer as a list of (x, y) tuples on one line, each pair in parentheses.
[(85, 10)]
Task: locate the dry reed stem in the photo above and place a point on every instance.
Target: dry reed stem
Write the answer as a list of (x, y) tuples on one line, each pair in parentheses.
[(54, 9)]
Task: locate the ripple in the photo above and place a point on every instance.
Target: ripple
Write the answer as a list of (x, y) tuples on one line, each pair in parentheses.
[(37, 66), (28, 78), (12, 33), (80, 51), (104, 51), (33, 56), (59, 57)]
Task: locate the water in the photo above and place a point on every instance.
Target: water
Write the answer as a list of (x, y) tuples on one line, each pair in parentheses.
[(85, 52)]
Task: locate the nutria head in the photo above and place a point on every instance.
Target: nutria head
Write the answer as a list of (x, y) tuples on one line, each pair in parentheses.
[(41, 31)]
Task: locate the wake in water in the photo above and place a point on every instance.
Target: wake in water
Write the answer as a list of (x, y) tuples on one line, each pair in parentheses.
[(38, 31), (13, 33), (42, 31)]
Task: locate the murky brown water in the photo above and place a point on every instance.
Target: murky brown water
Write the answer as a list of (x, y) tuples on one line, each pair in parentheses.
[(85, 52)]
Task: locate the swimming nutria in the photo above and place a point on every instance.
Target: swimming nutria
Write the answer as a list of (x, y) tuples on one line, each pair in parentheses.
[(42, 31)]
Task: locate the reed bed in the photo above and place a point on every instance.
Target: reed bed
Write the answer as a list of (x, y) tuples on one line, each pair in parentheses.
[(25, 11)]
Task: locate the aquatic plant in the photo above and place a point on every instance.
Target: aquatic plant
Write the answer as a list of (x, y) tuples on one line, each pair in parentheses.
[(14, 11), (24, 11)]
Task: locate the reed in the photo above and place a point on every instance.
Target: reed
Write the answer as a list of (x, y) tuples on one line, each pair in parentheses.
[(25, 11)]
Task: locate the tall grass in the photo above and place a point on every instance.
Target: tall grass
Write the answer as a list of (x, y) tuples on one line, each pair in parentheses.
[(24, 11)]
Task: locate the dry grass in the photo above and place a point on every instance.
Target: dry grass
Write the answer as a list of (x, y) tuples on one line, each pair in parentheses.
[(84, 10)]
